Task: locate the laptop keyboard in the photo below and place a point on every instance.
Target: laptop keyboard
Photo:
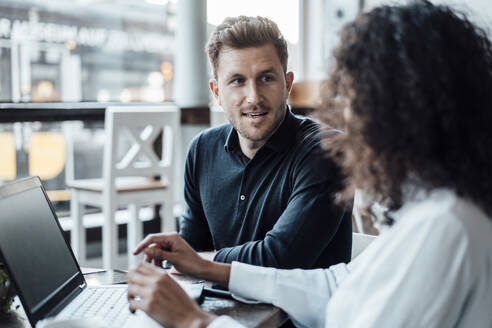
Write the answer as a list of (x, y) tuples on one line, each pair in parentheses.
[(110, 305)]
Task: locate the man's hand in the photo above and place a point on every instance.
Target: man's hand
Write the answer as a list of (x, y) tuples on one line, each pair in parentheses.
[(172, 247), (153, 291)]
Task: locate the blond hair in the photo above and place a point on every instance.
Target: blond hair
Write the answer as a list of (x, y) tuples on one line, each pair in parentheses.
[(244, 32)]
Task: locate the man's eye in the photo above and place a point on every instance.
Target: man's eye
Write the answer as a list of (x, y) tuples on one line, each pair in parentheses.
[(267, 78), (237, 81)]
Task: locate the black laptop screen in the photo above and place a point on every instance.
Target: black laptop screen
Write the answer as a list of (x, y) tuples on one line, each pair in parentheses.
[(33, 246)]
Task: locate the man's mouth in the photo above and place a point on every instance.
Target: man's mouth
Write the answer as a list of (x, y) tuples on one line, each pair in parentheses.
[(256, 114)]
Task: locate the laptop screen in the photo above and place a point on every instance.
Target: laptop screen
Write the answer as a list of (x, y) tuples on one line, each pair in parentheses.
[(33, 246)]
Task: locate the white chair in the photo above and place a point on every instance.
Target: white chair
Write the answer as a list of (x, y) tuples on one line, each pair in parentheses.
[(217, 116), (359, 225), (367, 225), (359, 242), (130, 166)]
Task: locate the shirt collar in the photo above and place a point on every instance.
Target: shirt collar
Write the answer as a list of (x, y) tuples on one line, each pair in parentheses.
[(285, 134), (232, 140), (281, 139)]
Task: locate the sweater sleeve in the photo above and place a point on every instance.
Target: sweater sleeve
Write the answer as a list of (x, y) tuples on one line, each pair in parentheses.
[(193, 225)]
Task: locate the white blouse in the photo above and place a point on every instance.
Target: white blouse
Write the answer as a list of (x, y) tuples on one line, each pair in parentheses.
[(432, 268)]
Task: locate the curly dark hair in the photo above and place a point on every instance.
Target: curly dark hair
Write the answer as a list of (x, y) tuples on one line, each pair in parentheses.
[(412, 89)]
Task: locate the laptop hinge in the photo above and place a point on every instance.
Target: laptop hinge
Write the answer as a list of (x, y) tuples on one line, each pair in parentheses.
[(70, 297)]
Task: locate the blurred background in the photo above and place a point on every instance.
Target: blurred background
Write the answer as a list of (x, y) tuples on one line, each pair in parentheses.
[(62, 62)]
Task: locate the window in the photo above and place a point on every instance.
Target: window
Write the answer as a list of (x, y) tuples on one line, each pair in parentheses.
[(85, 50), (283, 12)]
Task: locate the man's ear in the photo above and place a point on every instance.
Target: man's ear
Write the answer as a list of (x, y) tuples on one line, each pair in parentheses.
[(289, 81), (214, 87)]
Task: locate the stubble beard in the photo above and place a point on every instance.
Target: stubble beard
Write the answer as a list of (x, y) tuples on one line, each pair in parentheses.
[(280, 115)]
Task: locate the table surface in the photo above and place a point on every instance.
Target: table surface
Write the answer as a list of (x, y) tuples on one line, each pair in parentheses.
[(250, 315)]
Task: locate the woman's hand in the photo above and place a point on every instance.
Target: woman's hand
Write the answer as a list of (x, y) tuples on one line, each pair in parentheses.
[(153, 291)]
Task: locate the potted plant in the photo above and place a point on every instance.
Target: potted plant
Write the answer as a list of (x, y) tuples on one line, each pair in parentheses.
[(6, 291)]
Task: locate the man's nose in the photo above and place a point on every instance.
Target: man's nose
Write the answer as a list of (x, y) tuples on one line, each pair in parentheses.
[(253, 93)]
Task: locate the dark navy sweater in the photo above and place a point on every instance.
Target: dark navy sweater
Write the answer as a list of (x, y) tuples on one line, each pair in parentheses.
[(276, 209)]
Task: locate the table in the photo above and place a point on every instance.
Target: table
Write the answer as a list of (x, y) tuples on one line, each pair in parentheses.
[(250, 315)]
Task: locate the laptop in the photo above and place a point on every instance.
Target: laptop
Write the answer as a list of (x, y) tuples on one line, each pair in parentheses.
[(43, 268)]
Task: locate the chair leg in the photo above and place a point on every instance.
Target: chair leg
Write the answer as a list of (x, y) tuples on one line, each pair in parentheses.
[(110, 236), (134, 234), (77, 239)]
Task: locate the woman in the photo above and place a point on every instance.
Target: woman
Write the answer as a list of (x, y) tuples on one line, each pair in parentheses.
[(412, 89)]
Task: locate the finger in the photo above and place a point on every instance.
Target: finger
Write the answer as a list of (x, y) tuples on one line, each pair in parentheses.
[(149, 270), (134, 294), (135, 291), (150, 239), (143, 244), (149, 257), (138, 292), (154, 245), (163, 239), (137, 304), (158, 262), (139, 277), (160, 254), (154, 253)]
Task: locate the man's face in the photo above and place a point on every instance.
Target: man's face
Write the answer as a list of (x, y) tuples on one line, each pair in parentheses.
[(252, 89)]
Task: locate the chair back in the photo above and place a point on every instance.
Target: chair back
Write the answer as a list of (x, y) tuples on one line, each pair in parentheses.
[(131, 132), (217, 116), (359, 242)]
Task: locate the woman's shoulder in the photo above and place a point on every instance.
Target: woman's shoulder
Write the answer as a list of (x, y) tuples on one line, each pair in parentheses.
[(449, 219)]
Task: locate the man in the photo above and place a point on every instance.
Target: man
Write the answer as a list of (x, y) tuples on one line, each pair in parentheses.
[(256, 189), (417, 136)]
